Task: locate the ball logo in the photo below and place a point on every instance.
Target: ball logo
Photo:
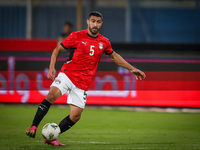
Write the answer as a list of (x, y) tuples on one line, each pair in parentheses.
[(57, 81), (45, 127), (101, 45), (54, 126), (51, 135)]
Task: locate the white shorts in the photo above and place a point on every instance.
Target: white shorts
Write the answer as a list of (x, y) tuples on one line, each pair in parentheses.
[(76, 96)]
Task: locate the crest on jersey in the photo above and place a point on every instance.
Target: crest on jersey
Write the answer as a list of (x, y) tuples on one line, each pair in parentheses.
[(101, 45)]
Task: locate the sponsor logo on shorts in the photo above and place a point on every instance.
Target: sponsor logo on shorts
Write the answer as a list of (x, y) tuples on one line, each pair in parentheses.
[(57, 81)]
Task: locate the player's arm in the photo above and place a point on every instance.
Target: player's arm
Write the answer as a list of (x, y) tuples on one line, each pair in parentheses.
[(121, 62), (54, 56)]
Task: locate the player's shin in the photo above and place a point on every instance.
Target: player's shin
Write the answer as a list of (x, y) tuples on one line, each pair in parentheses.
[(66, 124), (41, 112)]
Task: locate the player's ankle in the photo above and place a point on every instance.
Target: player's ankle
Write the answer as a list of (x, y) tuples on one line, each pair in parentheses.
[(66, 124)]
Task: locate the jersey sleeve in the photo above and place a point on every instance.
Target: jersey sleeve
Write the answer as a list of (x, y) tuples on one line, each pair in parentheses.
[(70, 41), (108, 50)]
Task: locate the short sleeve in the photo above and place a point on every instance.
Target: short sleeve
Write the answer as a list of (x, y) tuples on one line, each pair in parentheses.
[(108, 50), (70, 41)]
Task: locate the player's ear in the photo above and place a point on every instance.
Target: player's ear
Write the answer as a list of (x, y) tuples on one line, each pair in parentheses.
[(87, 21)]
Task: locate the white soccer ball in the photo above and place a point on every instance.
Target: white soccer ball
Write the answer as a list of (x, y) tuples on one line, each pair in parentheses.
[(51, 131)]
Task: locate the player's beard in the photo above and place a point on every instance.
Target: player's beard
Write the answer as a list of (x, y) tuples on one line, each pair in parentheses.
[(93, 31)]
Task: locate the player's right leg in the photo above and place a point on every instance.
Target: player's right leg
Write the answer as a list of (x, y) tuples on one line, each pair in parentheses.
[(42, 110)]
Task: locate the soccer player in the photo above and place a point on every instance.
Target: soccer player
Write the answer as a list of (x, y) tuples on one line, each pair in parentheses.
[(77, 73)]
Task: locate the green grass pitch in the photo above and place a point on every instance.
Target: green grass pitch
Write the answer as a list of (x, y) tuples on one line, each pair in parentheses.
[(102, 129)]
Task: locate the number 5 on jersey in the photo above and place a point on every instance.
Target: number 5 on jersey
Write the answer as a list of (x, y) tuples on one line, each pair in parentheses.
[(91, 50)]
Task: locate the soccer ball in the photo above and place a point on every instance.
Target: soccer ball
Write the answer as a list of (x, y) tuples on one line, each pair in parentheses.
[(51, 131)]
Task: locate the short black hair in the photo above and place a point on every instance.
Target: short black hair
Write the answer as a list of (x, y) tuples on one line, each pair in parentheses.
[(96, 13), (69, 24)]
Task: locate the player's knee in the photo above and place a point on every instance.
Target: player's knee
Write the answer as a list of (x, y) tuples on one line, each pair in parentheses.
[(51, 97), (75, 118)]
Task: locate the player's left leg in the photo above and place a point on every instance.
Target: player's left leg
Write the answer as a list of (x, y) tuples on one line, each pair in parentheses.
[(67, 123), (71, 119), (76, 99)]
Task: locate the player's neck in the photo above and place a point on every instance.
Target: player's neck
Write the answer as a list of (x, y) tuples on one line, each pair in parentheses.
[(93, 35)]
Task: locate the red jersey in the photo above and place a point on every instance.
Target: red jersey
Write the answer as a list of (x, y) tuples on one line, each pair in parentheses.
[(84, 57)]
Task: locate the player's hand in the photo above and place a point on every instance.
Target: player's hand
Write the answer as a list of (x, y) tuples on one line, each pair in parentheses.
[(51, 74), (138, 74)]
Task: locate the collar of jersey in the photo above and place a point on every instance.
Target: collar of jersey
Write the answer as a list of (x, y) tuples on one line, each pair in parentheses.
[(92, 36)]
